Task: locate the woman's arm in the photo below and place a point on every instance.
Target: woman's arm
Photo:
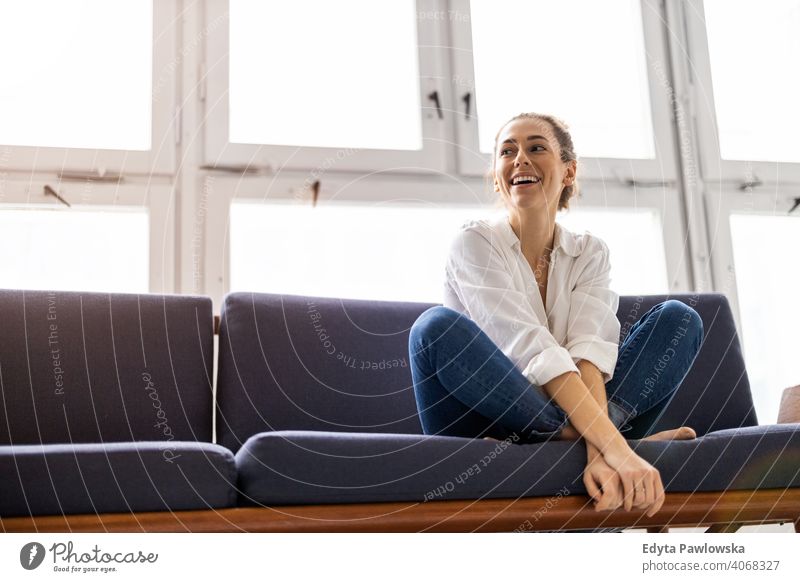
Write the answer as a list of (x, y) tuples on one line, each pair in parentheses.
[(585, 414), (641, 481), (593, 378)]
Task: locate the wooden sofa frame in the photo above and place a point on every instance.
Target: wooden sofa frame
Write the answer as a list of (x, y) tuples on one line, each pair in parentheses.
[(724, 511)]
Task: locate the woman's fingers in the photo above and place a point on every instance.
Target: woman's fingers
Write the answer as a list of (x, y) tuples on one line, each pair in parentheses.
[(641, 493), (660, 496), (592, 488), (628, 492)]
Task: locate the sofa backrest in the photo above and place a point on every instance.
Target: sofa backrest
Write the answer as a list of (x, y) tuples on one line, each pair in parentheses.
[(104, 367), (291, 362), (309, 363)]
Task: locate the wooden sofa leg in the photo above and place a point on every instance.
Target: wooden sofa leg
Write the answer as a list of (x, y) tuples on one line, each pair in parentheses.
[(724, 527), (658, 529)]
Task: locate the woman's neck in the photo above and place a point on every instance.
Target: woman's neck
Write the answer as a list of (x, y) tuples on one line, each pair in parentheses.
[(536, 234)]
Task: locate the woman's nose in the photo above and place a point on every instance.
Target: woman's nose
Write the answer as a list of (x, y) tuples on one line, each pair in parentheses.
[(522, 157)]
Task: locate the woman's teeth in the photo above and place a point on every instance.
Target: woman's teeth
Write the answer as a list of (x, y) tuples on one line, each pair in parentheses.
[(524, 180)]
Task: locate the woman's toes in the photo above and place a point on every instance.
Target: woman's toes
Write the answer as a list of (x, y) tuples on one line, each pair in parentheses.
[(682, 433)]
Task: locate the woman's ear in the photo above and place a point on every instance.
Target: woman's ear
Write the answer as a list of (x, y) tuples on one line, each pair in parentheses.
[(569, 176)]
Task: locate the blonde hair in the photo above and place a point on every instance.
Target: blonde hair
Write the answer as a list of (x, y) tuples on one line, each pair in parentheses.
[(561, 132)]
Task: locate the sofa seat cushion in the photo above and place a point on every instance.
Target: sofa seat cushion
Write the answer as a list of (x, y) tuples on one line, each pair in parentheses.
[(90, 478), (303, 467)]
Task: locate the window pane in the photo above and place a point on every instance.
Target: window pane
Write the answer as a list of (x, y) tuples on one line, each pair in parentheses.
[(327, 74), (754, 50), (767, 278), (636, 242), (76, 74), (392, 253), (78, 250), (581, 60)]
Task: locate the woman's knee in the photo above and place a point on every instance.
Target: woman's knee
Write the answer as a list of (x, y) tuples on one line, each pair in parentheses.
[(434, 322), (686, 319)]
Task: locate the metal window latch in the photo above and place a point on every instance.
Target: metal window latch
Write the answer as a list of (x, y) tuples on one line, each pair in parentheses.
[(634, 183), (315, 193), (48, 191), (249, 169), (467, 99), (750, 184), (435, 98)]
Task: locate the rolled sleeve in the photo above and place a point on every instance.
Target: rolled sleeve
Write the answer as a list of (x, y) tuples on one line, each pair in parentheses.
[(593, 328), (481, 280)]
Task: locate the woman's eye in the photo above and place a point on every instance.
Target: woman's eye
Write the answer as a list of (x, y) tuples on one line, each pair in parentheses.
[(505, 151), (533, 148)]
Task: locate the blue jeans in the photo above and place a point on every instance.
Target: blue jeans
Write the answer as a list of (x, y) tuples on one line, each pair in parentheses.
[(465, 386)]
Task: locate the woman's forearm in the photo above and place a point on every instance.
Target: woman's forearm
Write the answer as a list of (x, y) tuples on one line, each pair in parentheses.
[(585, 414), (592, 377)]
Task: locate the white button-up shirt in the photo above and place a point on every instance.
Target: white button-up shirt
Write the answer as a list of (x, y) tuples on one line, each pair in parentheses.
[(489, 279)]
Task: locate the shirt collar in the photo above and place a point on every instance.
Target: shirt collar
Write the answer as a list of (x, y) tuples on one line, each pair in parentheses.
[(563, 238)]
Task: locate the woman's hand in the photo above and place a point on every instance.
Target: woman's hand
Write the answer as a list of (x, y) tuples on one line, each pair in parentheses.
[(603, 484), (641, 482)]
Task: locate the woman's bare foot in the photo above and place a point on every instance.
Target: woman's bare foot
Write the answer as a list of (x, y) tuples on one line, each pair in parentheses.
[(675, 434)]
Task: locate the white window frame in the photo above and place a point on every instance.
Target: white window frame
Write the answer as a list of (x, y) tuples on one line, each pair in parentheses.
[(97, 196), (220, 153), (160, 159), (662, 170), (739, 172)]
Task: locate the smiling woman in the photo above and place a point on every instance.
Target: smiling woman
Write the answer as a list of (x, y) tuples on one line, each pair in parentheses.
[(529, 319)]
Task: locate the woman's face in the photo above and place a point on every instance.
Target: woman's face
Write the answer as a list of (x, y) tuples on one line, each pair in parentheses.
[(528, 171)]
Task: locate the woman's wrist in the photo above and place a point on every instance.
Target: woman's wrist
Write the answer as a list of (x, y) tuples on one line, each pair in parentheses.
[(592, 452), (617, 448)]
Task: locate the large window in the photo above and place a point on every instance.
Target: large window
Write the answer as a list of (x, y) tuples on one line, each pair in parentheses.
[(88, 85), (600, 66), (291, 85), (292, 65), (537, 65), (379, 251), (745, 60), (767, 275), (74, 249), (88, 137)]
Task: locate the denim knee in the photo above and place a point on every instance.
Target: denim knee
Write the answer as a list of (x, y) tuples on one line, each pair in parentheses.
[(687, 318), (432, 324)]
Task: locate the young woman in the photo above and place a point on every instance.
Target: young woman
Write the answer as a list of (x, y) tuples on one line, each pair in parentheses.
[(526, 342)]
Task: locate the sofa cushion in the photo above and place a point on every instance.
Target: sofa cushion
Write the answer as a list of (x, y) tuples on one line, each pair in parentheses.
[(115, 477), (104, 367), (302, 467)]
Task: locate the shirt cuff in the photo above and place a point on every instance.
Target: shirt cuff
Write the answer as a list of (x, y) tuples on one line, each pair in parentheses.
[(548, 364), (601, 353)]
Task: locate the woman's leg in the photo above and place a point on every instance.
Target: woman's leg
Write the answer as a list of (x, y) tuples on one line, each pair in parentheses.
[(653, 360), (466, 386)]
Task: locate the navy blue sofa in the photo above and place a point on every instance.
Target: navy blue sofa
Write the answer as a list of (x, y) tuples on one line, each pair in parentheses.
[(105, 405), (316, 425)]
